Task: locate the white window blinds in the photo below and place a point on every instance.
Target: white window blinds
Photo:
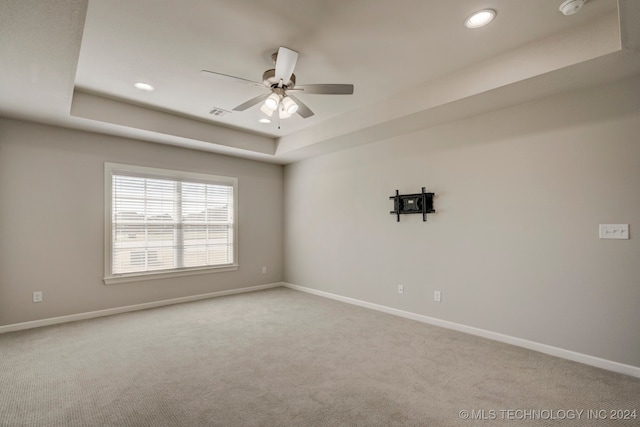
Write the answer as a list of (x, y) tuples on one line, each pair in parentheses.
[(163, 223)]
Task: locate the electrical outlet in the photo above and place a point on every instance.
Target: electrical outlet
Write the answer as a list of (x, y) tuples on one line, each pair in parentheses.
[(437, 296), (264, 270), (401, 289), (37, 296)]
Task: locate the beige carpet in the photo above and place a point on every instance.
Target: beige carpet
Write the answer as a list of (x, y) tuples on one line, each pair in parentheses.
[(285, 358)]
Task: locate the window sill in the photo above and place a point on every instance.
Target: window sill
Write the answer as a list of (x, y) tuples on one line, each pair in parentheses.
[(137, 277)]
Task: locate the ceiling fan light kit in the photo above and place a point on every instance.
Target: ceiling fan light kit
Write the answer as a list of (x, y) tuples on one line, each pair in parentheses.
[(285, 109), (279, 80), (283, 113), (271, 103), (267, 111), (289, 105)]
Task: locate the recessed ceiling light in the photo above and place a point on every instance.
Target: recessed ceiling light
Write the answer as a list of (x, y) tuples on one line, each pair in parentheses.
[(264, 121), (480, 18), (144, 86)]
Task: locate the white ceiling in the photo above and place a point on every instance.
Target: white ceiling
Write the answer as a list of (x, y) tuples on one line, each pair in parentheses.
[(413, 64)]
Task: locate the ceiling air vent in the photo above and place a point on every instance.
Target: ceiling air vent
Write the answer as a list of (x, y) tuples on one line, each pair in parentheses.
[(219, 112)]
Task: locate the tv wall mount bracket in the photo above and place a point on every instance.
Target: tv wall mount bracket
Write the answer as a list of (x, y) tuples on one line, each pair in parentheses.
[(421, 203)]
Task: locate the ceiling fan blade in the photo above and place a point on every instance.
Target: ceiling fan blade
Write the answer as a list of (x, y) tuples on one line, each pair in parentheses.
[(326, 89), (251, 102), (285, 63), (303, 110), (227, 77)]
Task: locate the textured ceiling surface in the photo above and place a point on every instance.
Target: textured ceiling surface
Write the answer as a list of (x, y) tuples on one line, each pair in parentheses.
[(412, 62)]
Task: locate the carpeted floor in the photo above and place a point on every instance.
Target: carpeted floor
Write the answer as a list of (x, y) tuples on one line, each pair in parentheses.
[(285, 358)]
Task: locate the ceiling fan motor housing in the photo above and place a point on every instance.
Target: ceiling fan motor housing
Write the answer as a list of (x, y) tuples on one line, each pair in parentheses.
[(269, 79)]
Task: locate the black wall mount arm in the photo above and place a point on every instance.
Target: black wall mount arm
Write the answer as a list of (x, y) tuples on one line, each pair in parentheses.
[(421, 203)]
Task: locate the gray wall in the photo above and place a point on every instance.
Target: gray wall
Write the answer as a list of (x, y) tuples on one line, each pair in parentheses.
[(514, 244), (52, 221)]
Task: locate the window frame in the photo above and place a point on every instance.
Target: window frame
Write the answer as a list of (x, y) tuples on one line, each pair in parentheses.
[(148, 172)]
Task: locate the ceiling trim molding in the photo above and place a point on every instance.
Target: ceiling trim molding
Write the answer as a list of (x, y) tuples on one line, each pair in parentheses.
[(95, 107)]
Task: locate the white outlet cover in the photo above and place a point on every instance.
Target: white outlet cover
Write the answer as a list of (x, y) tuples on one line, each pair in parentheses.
[(614, 231)]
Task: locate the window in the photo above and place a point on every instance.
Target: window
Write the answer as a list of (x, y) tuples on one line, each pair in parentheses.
[(162, 223)]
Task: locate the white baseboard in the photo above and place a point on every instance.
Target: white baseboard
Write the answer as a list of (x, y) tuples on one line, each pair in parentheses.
[(111, 311), (531, 345)]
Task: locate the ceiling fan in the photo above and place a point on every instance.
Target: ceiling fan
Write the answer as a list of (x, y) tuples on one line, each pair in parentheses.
[(280, 81)]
